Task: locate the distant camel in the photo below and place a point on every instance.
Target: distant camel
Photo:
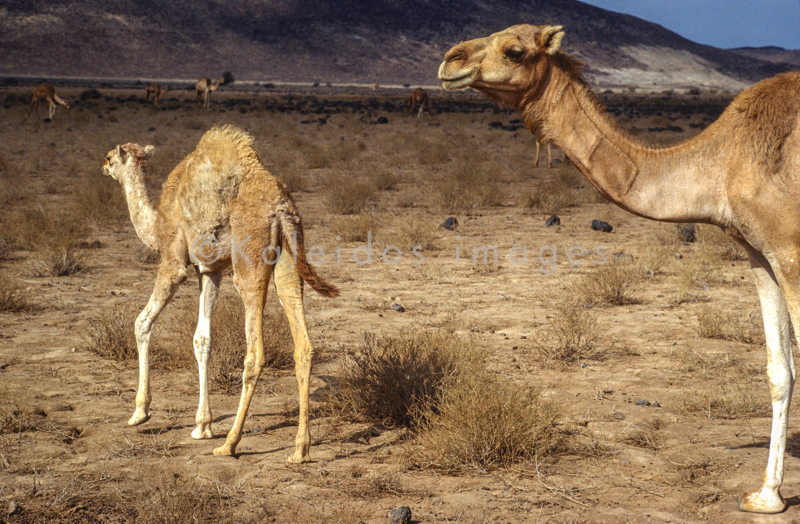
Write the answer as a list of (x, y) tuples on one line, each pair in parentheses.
[(154, 89), (204, 88), (375, 86), (419, 96), (46, 92)]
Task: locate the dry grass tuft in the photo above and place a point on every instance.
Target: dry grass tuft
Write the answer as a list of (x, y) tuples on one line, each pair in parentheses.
[(727, 402), (466, 187), (56, 260), (644, 435), (572, 334), (390, 376), (414, 233), (479, 422), (716, 322), (16, 415), (12, 297), (355, 228), (176, 500), (611, 284), (100, 199), (111, 335), (720, 245), (348, 196)]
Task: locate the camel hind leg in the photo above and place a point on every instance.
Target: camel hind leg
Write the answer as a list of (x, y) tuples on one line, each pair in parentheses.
[(251, 278), (202, 341), (777, 303), (289, 286)]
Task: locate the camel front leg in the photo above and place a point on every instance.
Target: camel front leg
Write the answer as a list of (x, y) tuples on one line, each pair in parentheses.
[(254, 294), (290, 292), (538, 146), (167, 282), (549, 155), (781, 376), (209, 291)]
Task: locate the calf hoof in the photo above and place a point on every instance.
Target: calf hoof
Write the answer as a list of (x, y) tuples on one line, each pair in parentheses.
[(139, 417), (225, 450), (201, 433)]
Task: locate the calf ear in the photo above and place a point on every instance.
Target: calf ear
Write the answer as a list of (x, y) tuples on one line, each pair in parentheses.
[(551, 39), (122, 153), (148, 151)]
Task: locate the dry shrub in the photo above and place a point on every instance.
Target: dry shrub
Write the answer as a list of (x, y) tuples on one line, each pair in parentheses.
[(652, 261), (229, 342), (316, 156), (719, 323), (611, 284), (56, 260), (697, 270), (348, 196), (714, 365), (385, 180), (355, 228), (16, 415), (111, 335), (645, 435), (414, 233), (12, 297), (467, 186), (388, 379), (479, 422), (100, 199), (557, 193), (177, 500), (727, 401), (572, 334)]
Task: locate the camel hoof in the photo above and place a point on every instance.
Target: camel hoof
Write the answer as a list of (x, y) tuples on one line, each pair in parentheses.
[(762, 502), (225, 450), (299, 458), (138, 418), (200, 433)]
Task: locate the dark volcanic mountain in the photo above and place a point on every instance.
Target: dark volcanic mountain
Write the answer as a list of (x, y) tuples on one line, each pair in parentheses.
[(359, 41)]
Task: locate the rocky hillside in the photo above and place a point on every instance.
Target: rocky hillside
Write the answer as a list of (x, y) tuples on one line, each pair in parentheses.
[(359, 41)]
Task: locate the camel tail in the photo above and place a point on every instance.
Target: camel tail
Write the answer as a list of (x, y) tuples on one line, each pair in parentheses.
[(292, 235)]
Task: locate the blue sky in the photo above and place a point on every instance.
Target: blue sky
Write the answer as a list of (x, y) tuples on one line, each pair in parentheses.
[(720, 23)]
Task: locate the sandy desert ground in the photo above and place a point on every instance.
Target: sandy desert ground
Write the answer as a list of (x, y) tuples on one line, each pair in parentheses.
[(680, 326)]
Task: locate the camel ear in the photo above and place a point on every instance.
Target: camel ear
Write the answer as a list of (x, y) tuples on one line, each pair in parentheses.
[(122, 154), (148, 151), (551, 39)]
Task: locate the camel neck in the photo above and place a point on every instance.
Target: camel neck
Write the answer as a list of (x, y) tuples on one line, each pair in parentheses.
[(143, 214), (661, 184)]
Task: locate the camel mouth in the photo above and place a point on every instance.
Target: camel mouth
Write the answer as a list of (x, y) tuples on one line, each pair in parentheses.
[(459, 79)]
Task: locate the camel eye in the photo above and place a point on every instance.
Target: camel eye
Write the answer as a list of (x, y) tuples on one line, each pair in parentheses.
[(515, 55)]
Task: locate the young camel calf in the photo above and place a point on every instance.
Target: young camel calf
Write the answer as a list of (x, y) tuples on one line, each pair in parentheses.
[(221, 207)]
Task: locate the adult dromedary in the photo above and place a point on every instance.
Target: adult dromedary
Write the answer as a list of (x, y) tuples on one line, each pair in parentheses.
[(741, 174), (46, 92), (204, 87), (419, 97), (154, 88), (220, 207)]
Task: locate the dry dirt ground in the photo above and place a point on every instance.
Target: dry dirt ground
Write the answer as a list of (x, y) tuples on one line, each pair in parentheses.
[(683, 462)]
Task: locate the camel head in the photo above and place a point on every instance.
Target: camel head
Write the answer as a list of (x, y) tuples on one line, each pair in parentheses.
[(124, 159), (507, 65)]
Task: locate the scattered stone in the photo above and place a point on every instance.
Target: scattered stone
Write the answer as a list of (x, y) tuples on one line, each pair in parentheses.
[(678, 256), (383, 120), (398, 308), (437, 501), (642, 402), (14, 508), (257, 430), (655, 404), (495, 125), (553, 221), (450, 223), (400, 515), (687, 233), (599, 225)]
